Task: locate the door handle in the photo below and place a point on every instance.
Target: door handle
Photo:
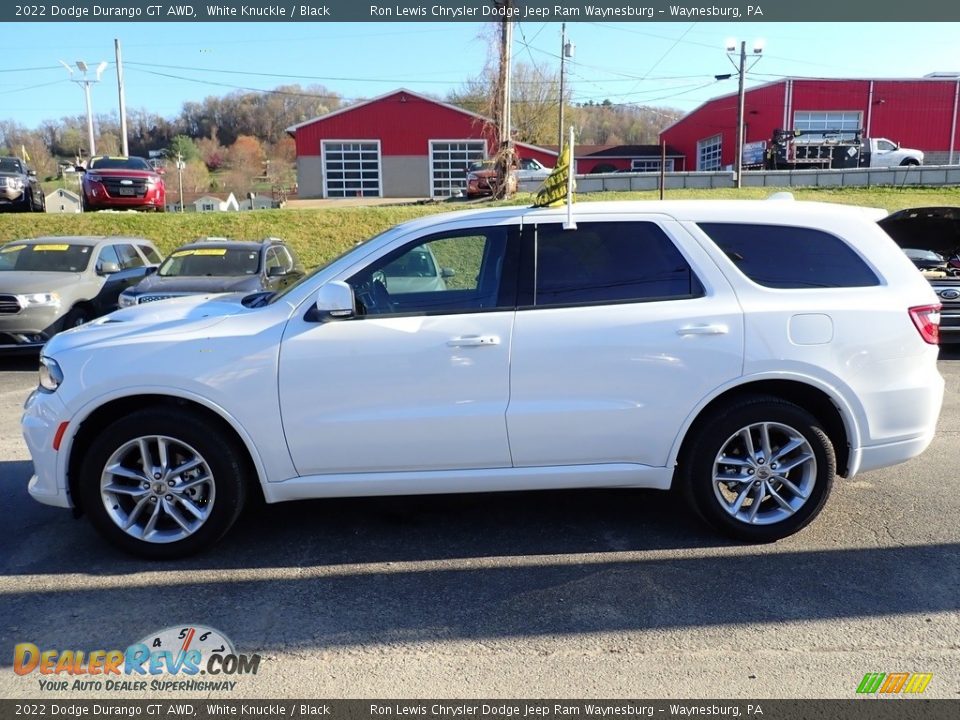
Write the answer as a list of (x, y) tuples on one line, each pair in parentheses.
[(474, 341), (703, 330)]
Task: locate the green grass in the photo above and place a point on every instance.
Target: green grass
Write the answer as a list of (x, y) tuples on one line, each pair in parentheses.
[(320, 234)]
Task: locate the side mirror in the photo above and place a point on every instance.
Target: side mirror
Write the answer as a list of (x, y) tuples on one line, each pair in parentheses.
[(32, 173), (151, 269), (276, 271), (447, 272), (107, 268), (80, 168), (335, 300)]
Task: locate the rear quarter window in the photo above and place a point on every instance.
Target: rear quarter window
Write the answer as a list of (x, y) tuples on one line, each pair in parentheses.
[(784, 257)]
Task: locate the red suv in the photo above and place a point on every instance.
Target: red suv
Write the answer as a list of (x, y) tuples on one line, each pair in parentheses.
[(122, 183)]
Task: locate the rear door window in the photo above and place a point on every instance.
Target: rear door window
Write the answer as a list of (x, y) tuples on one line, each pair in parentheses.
[(610, 262), (785, 257)]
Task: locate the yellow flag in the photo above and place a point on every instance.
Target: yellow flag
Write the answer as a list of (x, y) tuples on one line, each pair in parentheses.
[(24, 153), (554, 190)]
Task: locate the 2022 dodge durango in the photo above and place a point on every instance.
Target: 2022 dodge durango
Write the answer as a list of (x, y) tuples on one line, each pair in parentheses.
[(745, 352)]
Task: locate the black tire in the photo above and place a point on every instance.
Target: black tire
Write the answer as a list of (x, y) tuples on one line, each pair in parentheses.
[(28, 200), (221, 454), (75, 318), (714, 502)]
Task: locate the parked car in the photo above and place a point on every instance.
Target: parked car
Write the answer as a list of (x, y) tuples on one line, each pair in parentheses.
[(482, 173), (927, 259), (50, 284), (121, 183), (729, 348), (934, 230), (19, 187), (218, 265)]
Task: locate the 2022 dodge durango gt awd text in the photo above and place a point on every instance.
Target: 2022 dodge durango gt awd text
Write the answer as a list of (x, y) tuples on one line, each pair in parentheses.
[(746, 352)]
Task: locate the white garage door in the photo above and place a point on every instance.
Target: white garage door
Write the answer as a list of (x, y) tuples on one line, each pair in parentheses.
[(448, 162), (351, 168)]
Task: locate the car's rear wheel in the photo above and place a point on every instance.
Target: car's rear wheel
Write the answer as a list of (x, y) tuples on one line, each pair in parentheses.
[(162, 484), (758, 470)]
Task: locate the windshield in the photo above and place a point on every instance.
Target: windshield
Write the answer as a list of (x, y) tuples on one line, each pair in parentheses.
[(45, 257), (10, 165), (119, 163), (211, 262)]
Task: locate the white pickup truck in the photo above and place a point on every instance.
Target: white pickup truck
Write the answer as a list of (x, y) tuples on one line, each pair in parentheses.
[(880, 152)]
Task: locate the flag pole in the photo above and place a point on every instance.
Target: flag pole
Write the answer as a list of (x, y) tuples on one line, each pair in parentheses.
[(570, 224)]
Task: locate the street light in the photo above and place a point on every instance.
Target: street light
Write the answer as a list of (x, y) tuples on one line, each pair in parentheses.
[(86, 82), (731, 48)]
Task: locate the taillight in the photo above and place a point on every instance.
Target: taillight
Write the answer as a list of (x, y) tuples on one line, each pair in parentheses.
[(927, 320)]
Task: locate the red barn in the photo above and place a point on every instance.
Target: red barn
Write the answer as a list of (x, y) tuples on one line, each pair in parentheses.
[(919, 113), (397, 145)]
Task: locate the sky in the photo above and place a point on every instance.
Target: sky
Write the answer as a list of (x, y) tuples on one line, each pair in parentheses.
[(662, 64)]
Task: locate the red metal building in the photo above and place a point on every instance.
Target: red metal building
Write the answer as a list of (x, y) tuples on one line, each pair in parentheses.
[(919, 113), (401, 144)]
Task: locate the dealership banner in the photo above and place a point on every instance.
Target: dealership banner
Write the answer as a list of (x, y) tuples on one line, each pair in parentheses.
[(641, 11), (199, 709)]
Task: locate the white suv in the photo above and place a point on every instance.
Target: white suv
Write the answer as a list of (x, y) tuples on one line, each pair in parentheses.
[(744, 351)]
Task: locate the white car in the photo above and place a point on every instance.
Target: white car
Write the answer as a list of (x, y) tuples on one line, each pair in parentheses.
[(746, 352)]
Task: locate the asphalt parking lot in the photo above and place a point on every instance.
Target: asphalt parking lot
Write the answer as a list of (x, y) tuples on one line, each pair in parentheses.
[(565, 594)]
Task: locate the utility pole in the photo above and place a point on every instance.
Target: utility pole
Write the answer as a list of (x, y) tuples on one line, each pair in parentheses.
[(566, 52), (86, 83), (180, 176), (505, 153), (741, 97), (123, 102)]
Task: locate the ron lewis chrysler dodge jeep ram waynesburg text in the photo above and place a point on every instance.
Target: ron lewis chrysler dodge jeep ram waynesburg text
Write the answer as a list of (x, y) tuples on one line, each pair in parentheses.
[(746, 352)]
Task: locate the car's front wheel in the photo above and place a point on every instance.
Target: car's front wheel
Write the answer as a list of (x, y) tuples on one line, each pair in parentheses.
[(759, 469), (162, 484)]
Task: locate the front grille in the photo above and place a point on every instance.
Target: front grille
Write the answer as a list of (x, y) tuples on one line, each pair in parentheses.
[(121, 187), (153, 298), (9, 305)]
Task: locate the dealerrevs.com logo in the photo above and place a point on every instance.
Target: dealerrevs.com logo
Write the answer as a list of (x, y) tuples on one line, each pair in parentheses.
[(172, 659), (894, 683)]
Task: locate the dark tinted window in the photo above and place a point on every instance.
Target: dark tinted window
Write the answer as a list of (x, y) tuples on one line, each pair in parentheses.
[(609, 262), (779, 256), (150, 254), (129, 258)]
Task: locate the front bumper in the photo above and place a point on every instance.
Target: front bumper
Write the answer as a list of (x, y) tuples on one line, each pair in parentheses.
[(11, 196), (31, 327), (42, 415), (96, 197)]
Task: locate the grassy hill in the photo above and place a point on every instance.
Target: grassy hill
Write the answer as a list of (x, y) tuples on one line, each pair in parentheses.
[(320, 234)]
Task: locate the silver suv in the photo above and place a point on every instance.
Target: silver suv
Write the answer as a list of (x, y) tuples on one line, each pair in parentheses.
[(19, 187), (49, 284)]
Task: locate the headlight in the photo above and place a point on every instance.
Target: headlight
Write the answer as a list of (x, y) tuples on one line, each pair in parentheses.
[(126, 300), (471, 176), (153, 180), (93, 177), (50, 374), (15, 183), (39, 300)]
